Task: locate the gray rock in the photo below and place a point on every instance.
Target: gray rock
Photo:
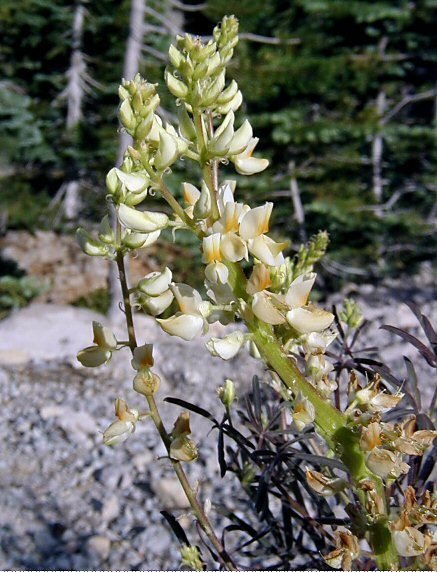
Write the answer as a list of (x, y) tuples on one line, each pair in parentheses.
[(170, 492), (110, 509), (99, 546)]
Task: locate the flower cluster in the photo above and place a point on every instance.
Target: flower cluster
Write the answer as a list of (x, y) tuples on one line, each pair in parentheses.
[(247, 280)]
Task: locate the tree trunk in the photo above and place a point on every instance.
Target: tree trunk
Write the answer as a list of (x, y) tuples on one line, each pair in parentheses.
[(378, 149), (378, 139), (130, 69), (299, 213), (75, 91)]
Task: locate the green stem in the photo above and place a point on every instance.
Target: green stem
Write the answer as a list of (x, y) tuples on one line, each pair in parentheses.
[(331, 423), (189, 492), (126, 301), (177, 209), (165, 437), (209, 169)]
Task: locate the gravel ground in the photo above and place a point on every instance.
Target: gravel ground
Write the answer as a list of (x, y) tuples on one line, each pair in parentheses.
[(66, 501)]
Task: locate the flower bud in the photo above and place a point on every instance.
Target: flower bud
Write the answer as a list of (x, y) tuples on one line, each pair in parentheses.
[(186, 126), (202, 208), (144, 127), (146, 382), (112, 181), (231, 105), (106, 234), (127, 116), (220, 143), (191, 558), (228, 94), (226, 394), (175, 86), (90, 245), (175, 57), (136, 240), (241, 138), (118, 432)]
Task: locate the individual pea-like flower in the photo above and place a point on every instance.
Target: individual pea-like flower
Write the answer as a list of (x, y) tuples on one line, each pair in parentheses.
[(105, 343), (253, 228), (141, 221), (190, 321), (154, 292), (381, 461), (347, 549), (276, 309), (317, 342), (318, 366), (182, 448), (373, 398), (245, 164), (323, 485), (124, 425), (91, 245), (409, 541), (143, 357), (232, 246), (303, 412), (226, 347), (215, 271)]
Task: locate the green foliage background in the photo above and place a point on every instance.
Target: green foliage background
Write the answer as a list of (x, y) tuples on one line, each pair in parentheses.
[(312, 102)]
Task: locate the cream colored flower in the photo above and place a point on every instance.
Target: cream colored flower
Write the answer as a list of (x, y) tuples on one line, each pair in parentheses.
[(309, 319), (120, 429), (190, 322), (141, 221), (101, 353), (226, 347), (245, 164)]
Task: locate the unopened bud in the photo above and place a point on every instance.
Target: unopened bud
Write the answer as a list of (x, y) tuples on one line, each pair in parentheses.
[(146, 382), (226, 393)]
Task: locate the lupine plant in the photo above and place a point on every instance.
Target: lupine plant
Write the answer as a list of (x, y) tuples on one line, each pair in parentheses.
[(248, 280)]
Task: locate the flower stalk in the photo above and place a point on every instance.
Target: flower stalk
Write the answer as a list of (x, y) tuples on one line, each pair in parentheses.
[(271, 299)]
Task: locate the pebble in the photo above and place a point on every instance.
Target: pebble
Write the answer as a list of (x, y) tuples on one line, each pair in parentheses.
[(170, 492), (99, 546)]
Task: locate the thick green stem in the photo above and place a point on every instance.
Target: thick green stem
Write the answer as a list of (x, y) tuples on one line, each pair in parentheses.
[(331, 423)]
